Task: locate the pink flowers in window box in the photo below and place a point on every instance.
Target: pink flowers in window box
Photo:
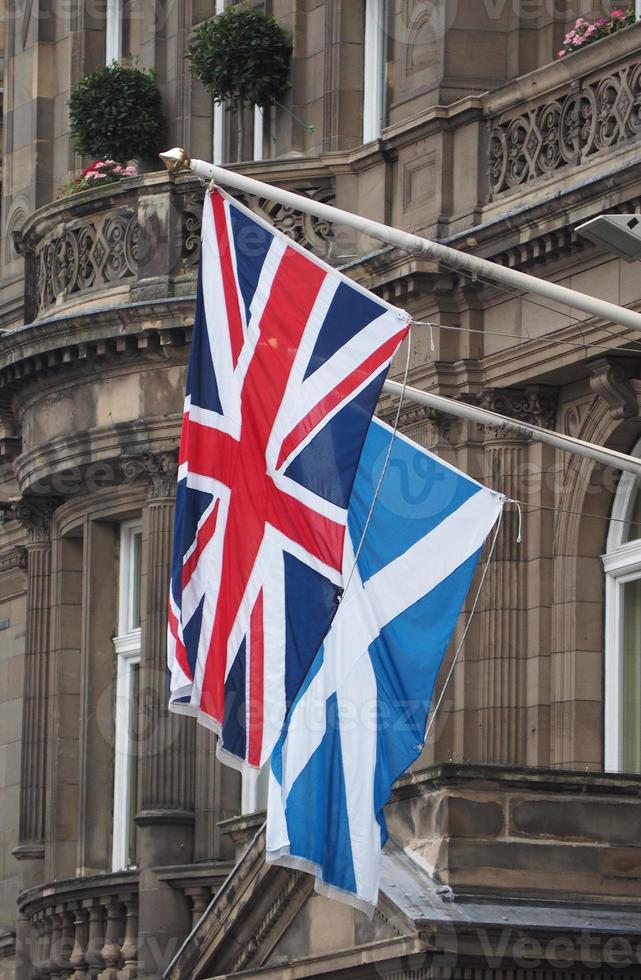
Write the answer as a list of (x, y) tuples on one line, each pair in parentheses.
[(99, 174), (584, 32)]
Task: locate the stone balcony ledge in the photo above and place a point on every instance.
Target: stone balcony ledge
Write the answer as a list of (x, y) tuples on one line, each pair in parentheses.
[(533, 833)]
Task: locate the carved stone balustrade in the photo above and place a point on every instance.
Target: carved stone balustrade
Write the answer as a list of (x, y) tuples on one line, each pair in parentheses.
[(139, 240), (83, 928), (578, 110)]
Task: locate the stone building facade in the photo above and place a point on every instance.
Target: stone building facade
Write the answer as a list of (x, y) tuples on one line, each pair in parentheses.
[(517, 839)]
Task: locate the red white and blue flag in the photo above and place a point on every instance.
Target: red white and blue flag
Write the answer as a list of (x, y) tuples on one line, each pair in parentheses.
[(287, 362)]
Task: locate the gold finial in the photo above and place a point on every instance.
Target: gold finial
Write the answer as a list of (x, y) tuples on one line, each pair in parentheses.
[(175, 160)]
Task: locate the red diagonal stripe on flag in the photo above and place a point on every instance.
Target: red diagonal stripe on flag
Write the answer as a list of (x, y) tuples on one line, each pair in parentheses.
[(337, 395), (292, 297), (181, 653), (320, 536)]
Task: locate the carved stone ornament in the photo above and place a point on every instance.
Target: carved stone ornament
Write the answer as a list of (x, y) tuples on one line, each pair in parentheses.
[(535, 405), (315, 234), (611, 379), (159, 470), (34, 514), (88, 253), (536, 140)]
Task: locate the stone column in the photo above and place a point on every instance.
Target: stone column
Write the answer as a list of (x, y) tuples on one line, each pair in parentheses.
[(166, 816), (503, 654), (34, 513)]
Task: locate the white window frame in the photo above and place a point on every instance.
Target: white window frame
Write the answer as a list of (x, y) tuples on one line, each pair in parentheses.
[(127, 648), (218, 148), (113, 31), (374, 70), (637, 8), (622, 564)]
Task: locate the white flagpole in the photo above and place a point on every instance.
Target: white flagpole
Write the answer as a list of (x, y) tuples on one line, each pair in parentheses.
[(177, 159), (524, 430)]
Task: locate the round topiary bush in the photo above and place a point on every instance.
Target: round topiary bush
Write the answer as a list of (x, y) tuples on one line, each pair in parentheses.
[(116, 113), (242, 56)]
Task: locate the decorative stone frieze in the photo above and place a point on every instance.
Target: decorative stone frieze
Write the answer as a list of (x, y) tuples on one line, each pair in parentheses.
[(535, 404), (591, 116)]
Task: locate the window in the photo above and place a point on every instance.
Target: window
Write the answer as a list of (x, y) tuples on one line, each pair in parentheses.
[(622, 565), (254, 790), (374, 70), (222, 138), (113, 31), (127, 647)]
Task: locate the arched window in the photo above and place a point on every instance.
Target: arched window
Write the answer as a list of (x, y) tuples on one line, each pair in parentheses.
[(622, 564)]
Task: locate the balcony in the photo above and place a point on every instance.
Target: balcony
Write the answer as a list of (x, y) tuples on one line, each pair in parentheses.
[(84, 927), (139, 240), (583, 111), (88, 927)]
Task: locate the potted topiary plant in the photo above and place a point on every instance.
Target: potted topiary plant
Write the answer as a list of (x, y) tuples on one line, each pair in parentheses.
[(116, 114), (243, 58)]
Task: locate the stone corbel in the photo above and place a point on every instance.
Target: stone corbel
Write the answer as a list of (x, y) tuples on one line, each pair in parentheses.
[(612, 380)]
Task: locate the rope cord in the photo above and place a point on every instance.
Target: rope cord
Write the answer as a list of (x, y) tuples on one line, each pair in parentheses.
[(513, 336), (385, 464), (467, 626)]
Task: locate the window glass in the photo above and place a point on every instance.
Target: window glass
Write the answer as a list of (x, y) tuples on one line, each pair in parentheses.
[(132, 767), (127, 649), (136, 553), (632, 529), (631, 678)]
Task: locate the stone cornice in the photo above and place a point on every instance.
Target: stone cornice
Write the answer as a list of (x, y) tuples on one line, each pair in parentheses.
[(16, 558)]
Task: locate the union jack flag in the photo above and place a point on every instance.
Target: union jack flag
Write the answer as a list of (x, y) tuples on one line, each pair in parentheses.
[(287, 361)]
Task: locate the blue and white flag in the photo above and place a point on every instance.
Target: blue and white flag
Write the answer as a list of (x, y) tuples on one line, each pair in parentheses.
[(359, 720)]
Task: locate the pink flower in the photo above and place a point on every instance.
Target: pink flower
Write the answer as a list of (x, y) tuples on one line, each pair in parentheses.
[(561, 53), (131, 171), (118, 169), (580, 22), (602, 22), (99, 164), (590, 31), (618, 14), (579, 40)]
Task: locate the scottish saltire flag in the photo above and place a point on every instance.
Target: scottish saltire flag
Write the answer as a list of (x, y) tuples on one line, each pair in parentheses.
[(359, 720), (287, 362)]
